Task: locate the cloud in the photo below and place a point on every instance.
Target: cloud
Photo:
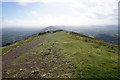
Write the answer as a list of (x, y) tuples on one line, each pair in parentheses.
[(69, 12), (34, 13), (49, 19)]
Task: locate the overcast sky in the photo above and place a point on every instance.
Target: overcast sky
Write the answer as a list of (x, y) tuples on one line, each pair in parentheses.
[(29, 13)]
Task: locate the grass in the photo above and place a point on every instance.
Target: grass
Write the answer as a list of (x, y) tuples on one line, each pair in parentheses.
[(18, 59), (92, 59), (0, 51)]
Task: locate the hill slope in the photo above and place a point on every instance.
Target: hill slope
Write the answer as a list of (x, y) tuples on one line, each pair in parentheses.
[(65, 55)]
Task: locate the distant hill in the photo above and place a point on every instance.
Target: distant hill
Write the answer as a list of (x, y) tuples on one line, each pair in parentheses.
[(62, 54), (50, 28), (104, 33)]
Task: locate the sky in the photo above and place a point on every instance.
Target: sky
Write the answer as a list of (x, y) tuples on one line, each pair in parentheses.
[(38, 13)]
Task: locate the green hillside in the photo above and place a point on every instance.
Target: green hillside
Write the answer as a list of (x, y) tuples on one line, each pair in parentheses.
[(65, 55)]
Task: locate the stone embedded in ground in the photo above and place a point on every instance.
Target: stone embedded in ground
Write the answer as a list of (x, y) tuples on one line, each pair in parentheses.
[(43, 75), (35, 62), (21, 70), (33, 72), (31, 67), (7, 73)]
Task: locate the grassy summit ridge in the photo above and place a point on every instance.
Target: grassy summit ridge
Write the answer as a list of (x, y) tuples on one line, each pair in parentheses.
[(67, 54), (91, 59)]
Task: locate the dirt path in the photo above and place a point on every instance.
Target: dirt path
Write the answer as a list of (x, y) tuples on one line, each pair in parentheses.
[(38, 59), (11, 55)]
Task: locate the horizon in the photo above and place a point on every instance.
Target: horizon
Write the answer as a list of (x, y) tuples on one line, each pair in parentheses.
[(70, 26), (40, 13)]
